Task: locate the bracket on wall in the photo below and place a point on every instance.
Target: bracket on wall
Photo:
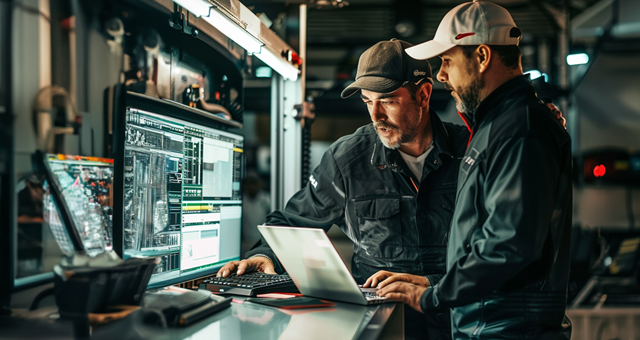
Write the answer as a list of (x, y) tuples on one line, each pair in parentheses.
[(306, 113), (180, 21)]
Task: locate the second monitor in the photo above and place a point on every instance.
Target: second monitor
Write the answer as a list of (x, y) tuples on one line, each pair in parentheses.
[(182, 200)]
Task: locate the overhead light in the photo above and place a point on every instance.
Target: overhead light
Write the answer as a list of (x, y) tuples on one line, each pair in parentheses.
[(286, 70), (239, 35), (534, 74), (222, 23), (263, 72), (577, 59), (236, 33), (199, 8)]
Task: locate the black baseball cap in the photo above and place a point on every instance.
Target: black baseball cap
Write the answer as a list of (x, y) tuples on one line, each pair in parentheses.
[(385, 67)]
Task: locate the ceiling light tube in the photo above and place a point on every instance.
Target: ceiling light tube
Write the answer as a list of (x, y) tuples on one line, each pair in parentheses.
[(236, 33), (222, 23), (577, 59), (231, 29), (286, 70), (199, 8)]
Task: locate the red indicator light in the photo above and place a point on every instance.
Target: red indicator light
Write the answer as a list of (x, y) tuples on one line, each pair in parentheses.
[(599, 170)]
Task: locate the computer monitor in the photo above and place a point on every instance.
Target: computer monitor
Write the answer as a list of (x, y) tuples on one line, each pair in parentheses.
[(73, 214), (178, 172), (79, 195)]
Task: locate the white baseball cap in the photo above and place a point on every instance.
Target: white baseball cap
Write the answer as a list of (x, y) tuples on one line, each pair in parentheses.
[(472, 23)]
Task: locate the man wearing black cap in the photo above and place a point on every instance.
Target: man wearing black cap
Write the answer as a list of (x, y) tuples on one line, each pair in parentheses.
[(390, 186)]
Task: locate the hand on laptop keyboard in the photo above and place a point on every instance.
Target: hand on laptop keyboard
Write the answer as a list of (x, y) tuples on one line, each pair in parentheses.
[(383, 278), (255, 264), (407, 293)]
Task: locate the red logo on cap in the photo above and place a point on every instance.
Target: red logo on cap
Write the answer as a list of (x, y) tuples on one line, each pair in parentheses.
[(464, 35)]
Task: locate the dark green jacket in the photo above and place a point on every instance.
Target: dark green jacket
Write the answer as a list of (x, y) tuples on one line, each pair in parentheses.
[(508, 253)]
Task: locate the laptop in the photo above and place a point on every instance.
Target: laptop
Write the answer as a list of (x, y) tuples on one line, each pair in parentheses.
[(315, 266)]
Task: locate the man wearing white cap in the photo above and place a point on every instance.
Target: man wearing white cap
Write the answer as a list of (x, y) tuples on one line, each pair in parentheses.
[(508, 252)]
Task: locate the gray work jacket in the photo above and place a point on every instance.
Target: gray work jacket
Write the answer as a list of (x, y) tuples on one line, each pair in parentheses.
[(367, 190)]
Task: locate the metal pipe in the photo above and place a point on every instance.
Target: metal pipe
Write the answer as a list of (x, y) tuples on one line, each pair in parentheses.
[(303, 49), (277, 142)]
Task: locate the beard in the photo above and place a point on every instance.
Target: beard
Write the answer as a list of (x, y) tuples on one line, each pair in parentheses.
[(398, 136), (468, 96)]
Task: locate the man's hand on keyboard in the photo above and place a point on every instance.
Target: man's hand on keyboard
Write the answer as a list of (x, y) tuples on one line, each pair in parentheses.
[(383, 278), (407, 293), (254, 264)]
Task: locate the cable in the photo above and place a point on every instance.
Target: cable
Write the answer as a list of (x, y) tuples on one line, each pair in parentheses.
[(33, 10), (306, 154), (43, 108), (43, 294)]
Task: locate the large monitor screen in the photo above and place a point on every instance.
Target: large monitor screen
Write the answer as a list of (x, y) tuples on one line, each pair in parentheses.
[(182, 196)]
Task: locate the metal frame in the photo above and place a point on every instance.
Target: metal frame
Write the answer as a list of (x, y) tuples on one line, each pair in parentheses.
[(286, 141), (277, 142)]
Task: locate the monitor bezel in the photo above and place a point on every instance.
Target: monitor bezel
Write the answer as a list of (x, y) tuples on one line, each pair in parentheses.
[(167, 108)]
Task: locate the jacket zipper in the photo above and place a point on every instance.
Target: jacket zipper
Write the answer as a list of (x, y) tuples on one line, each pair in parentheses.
[(414, 184), (410, 178)]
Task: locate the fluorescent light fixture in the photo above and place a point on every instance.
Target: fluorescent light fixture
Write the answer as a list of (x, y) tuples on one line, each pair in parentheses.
[(263, 72), (577, 59), (199, 8), (534, 74), (204, 9), (286, 70), (239, 35), (234, 32)]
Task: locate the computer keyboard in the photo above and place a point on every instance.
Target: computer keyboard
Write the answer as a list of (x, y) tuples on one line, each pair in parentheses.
[(370, 296), (250, 284)]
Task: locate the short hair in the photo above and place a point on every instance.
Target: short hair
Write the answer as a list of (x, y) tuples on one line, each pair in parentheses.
[(413, 88), (509, 54)]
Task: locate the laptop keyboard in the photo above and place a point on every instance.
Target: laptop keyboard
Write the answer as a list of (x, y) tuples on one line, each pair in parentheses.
[(250, 284), (370, 296)]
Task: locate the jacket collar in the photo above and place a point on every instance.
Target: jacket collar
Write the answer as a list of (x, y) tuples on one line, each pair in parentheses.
[(519, 84), (383, 157)]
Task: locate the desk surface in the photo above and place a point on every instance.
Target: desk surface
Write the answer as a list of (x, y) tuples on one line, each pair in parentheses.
[(241, 321)]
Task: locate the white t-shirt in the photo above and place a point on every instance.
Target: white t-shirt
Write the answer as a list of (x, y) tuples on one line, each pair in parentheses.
[(416, 164)]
